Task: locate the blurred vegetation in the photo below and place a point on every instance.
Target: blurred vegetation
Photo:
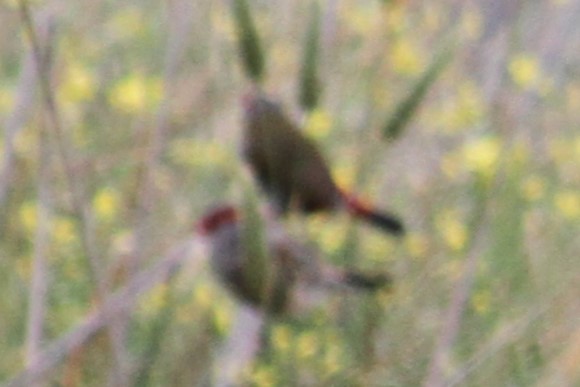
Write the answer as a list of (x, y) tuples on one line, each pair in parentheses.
[(146, 96), (250, 48)]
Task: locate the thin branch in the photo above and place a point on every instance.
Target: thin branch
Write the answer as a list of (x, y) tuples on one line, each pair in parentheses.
[(42, 62), (452, 323), (459, 299), (40, 272), (509, 332), (43, 73), (122, 301), (24, 102), (180, 26), (240, 348)]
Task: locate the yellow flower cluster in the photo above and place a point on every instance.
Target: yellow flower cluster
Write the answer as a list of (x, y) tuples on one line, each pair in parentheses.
[(281, 337), (263, 376), (452, 229), (192, 152), (136, 93), (481, 156), (6, 99), (406, 58), (106, 204), (344, 174), (376, 247), (28, 217), (64, 231), (329, 234), (78, 84), (525, 71), (568, 203), (318, 124), (462, 111)]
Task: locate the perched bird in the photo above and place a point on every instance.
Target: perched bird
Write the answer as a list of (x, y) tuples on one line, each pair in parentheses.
[(293, 272), (292, 171)]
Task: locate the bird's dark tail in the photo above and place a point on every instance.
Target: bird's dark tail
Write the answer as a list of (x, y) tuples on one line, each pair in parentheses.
[(368, 281), (386, 222)]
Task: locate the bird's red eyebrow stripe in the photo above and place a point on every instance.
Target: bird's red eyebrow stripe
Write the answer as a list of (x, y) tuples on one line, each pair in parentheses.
[(216, 218)]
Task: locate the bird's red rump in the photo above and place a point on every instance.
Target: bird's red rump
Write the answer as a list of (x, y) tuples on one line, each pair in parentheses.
[(355, 205), (216, 218), (388, 222)]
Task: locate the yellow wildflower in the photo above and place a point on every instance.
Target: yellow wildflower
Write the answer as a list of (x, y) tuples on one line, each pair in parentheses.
[(136, 93), (568, 203), (6, 99), (263, 377), (331, 234), (405, 58), (203, 295), (344, 174), (377, 247), (525, 70), (281, 337), (307, 345), (452, 230), (332, 360), (78, 84), (64, 232), (222, 318), (28, 216), (482, 155), (106, 204), (319, 123)]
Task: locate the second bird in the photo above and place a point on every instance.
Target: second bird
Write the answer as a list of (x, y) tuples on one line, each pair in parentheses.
[(292, 171), (293, 274)]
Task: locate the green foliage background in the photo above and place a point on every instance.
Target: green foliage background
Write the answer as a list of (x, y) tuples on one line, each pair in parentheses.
[(486, 175)]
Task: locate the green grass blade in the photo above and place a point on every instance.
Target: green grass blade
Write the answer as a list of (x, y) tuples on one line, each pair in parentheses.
[(157, 334), (251, 53), (256, 269), (309, 82), (404, 112)]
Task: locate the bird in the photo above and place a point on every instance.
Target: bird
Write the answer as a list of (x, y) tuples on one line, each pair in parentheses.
[(292, 171), (293, 272)]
